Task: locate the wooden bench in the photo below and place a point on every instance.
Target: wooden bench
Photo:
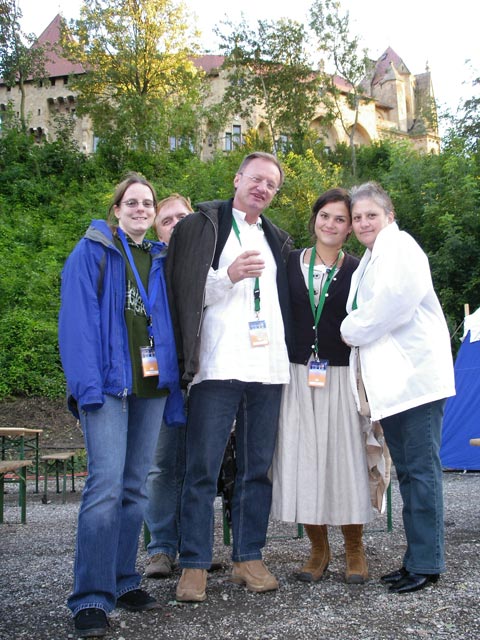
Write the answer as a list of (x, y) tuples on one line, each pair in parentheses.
[(19, 469), (60, 461), (21, 440)]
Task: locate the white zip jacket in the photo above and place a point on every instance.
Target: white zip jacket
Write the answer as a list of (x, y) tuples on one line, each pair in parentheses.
[(398, 327)]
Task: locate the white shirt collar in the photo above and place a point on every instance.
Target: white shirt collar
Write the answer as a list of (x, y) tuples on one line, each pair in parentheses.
[(241, 215)]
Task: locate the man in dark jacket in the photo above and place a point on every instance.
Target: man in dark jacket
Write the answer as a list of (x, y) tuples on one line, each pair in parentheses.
[(228, 293)]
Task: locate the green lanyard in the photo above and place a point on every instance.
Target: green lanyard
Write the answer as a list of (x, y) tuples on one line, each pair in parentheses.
[(317, 310), (354, 303), (256, 285)]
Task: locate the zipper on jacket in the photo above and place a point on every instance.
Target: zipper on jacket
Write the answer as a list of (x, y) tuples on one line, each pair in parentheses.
[(211, 262), (124, 400), (119, 302), (96, 235)]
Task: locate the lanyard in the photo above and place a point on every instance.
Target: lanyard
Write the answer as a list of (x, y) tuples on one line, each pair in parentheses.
[(354, 303), (317, 310), (148, 300), (256, 285)]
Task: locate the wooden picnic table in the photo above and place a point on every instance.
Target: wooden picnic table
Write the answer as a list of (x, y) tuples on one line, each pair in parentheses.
[(20, 440), (60, 461), (19, 472)]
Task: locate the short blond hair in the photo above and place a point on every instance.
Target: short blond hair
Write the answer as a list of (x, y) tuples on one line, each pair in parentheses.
[(175, 196), (263, 156)]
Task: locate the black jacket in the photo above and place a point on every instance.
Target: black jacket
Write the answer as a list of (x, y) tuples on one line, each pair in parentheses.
[(195, 245)]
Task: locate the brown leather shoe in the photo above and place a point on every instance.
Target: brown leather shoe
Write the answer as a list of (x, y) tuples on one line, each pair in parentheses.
[(255, 575), (192, 585)]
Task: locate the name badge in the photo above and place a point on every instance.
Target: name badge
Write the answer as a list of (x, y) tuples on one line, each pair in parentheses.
[(258, 333), (317, 373), (149, 361)]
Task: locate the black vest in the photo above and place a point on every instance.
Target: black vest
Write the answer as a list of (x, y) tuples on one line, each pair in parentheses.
[(330, 344)]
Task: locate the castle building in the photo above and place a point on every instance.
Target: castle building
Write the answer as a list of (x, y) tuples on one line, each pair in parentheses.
[(395, 105)]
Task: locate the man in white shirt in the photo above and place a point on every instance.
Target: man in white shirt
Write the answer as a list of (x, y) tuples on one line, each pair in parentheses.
[(229, 299)]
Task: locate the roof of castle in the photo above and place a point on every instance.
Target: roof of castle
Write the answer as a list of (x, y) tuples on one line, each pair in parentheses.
[(56, 65), (209, 62), (384, 64)]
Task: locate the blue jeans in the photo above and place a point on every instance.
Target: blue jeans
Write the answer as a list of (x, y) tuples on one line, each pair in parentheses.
[(164, 489), (120, 439), (213, 406), (413, 438)]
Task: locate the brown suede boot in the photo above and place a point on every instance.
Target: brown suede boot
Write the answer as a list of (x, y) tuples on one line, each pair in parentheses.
[(314, 569), (357, 568)]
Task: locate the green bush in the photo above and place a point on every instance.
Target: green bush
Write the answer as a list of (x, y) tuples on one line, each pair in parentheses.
[(29, 359), (50, 193)]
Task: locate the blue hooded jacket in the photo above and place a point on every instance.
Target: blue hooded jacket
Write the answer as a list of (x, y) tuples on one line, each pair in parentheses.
[(92, 331)]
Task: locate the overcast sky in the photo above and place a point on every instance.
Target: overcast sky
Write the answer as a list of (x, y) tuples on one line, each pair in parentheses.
[(421, 32)]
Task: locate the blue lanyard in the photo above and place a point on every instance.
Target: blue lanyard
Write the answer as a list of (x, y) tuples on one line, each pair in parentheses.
[(148, 300)]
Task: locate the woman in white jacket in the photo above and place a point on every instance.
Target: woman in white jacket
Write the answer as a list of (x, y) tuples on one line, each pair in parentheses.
[(401, 345)]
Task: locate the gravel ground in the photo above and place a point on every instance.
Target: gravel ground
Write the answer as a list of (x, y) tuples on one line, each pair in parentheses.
[(36, 563)]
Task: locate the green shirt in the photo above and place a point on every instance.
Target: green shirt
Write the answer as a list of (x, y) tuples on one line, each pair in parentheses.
[(136, 318)]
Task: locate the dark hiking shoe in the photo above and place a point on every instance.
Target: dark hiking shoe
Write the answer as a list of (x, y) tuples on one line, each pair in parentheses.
[(137, 600), (91, 623)]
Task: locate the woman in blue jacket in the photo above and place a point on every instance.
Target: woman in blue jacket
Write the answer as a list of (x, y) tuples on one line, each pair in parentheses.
[(118, 354)]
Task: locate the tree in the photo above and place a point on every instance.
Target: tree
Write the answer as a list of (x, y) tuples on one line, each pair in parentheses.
[(270, 75), (469, 123), (333, 32), (436, 200), (139, 72), (21, 57)]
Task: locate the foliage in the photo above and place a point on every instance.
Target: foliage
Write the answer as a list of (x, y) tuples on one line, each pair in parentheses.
[(140, 85), (21, 57), (306, 177), (469, 123), (270, 74), (333, 32), (32, 340), (49, 193), (142, 90), (437, 200)]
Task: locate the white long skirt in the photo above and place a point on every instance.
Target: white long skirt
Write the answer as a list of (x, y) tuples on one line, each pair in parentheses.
[(319, 470)]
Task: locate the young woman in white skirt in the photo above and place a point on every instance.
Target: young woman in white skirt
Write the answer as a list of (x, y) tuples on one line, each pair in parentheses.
[(320, 470)]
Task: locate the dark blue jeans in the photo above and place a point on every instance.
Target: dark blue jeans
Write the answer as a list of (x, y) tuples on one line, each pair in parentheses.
[(164, 488), (213, 406), (413, 438)]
